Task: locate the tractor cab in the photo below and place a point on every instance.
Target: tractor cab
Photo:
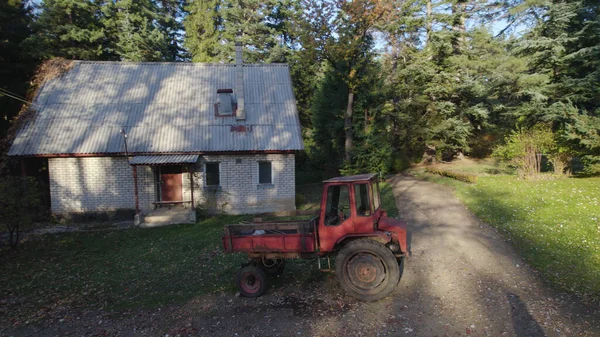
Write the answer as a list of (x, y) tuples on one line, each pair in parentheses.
[(351, 207)]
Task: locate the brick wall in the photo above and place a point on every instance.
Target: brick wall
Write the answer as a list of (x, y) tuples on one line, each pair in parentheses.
[(95, 184), (239, 191)]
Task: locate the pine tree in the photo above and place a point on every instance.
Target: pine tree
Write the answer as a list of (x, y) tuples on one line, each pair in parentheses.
[(565, 47), (15, 63), (135, 33), (201, 26), (262, 27), (69, 29)]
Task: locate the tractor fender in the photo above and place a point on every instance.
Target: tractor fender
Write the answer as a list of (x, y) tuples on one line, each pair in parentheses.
[(398, 230), (378, 236)]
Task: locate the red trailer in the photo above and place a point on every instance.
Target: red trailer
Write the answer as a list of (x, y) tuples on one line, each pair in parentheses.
[(370, 247)]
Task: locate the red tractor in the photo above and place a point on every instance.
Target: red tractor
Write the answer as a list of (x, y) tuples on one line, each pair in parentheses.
[(370, 247)]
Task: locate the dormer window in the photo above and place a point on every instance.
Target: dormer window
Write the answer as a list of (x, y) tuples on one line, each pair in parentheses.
[(225, 105)]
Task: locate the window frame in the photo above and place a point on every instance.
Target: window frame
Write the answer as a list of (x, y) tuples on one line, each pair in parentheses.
[(327, 220), (271, 183), (370, 198), (233, 103), (376, 196), (206, 185)]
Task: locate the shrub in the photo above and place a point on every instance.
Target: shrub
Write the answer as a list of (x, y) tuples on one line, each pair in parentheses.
[(19, 199), (300, 200), (467, 178), (524, 149)]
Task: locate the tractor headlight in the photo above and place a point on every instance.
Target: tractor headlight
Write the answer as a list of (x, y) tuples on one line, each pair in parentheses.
[(394, 247)]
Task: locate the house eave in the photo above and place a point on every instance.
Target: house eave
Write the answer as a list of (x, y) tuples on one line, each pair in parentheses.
[(122, 154)]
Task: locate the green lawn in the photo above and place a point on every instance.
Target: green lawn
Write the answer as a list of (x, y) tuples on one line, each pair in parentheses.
[(132, 268), (554, 224), (116, 269)]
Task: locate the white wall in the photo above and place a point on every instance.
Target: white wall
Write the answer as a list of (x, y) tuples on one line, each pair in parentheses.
[(239, 191), (92, 184)]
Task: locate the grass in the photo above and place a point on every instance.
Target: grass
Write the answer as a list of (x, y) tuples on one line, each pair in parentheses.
[(554, 224), (117, 269), (312, 196), (132, 268), (388, 202)]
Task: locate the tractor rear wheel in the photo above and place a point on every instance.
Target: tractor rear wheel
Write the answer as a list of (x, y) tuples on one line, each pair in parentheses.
[(367, 270), (272, 266), (251, 281)]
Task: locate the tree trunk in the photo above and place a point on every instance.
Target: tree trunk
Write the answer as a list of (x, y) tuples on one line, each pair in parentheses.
[(429, 22), (348, 127), (13, 236), (459, 9)]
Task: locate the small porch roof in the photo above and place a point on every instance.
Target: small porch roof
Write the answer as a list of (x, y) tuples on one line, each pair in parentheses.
[(360, 177), (164, 159)]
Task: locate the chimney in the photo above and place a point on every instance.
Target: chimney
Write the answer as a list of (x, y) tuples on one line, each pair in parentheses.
[(239, 82)]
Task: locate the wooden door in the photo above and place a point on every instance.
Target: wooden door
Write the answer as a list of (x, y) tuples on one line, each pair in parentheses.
[(171, 183)]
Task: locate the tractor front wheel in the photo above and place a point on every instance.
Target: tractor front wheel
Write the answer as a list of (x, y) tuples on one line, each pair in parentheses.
[(367, 270), (251, 281)]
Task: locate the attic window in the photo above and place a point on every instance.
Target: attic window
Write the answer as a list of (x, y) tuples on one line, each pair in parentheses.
[(225, 105)]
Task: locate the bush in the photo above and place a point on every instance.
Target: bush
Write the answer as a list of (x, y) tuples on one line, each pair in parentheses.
[(300, 200), (19, 199), (467, 178), (524, 149)]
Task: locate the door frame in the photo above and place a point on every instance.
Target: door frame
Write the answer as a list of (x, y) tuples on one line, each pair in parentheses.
[(158, 181)]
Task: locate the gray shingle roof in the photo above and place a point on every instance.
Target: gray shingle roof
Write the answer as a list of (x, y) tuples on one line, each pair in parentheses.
[(163, 107), (164, 159)]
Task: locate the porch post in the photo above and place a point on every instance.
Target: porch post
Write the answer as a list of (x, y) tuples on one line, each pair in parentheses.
[(191, 171), (23, 168), (135, 190)]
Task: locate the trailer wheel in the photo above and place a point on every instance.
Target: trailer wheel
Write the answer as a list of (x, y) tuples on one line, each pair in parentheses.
[(251, 281), (272, 266), (367, 270)]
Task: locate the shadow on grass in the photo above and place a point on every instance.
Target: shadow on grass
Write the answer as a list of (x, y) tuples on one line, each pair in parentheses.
[(120, 269), (533, 237)]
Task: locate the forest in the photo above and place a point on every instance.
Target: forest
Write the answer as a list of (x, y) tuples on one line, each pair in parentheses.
[(379, 84)]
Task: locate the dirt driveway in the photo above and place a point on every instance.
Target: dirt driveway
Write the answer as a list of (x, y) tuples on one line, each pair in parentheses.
[(462, 280)]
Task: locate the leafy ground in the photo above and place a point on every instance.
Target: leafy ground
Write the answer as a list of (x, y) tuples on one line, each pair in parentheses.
[(125, 269), (554, 224), (117, 270)]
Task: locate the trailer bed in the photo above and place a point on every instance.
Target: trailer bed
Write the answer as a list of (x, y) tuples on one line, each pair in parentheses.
[(271, 237)]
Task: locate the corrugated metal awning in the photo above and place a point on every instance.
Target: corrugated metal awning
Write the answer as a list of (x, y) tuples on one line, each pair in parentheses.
[(164, 159)]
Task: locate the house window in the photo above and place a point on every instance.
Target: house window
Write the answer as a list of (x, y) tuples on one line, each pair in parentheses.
[(212, 173), (225, 105), (265, 172)]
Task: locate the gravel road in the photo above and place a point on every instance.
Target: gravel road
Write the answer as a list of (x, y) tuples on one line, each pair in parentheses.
[(463, 279)]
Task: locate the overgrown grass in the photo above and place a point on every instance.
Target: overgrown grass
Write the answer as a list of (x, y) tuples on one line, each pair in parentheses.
[(554, 224), (387, 199), (117, 269), (421, 174), (312, 196), (133, 268)]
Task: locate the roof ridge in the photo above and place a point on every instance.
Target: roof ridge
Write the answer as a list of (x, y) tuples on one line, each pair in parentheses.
[(196, 64)]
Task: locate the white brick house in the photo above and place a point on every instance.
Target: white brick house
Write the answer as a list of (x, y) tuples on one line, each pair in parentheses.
[(235, 127)]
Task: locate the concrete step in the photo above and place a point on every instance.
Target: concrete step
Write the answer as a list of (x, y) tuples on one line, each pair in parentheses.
[(165, 216)]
